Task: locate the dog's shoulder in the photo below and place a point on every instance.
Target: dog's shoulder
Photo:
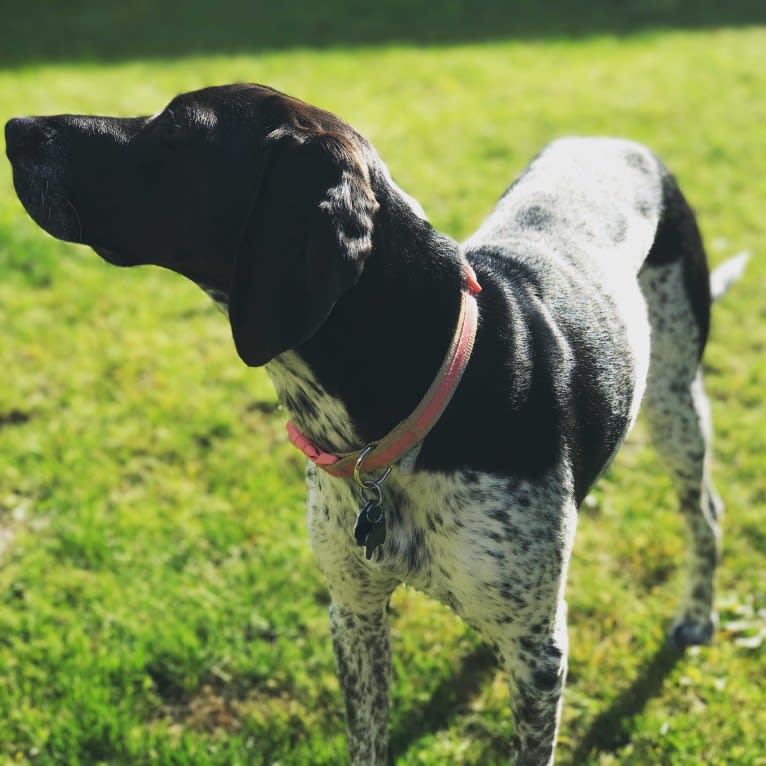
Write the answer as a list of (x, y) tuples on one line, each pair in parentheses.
[(562, 352)]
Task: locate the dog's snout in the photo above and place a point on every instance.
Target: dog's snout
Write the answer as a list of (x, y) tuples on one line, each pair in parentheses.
[(21, 132)]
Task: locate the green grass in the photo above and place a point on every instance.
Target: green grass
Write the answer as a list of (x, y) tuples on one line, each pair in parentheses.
[(159, 602)]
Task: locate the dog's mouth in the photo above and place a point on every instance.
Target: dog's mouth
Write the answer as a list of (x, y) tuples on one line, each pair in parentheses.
[(39, 178), (39, 190), (112, 256)]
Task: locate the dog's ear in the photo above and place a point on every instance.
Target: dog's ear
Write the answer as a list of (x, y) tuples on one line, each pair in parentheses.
[(305, 242)]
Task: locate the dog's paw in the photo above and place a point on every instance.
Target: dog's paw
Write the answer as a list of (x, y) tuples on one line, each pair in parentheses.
[(692, 632)]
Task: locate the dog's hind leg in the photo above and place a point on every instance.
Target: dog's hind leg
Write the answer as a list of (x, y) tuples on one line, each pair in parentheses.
[(677, 291)]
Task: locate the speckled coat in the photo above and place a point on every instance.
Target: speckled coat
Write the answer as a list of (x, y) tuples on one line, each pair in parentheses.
[(596, 295), (588, 249)]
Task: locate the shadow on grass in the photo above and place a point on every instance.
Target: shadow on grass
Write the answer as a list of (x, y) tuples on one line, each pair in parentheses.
[(612, 729), (609, 732), (38, 31), (453, 692)]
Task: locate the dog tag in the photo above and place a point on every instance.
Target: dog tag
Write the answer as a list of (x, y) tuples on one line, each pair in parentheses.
[(377, 533), (370, 529), (363, 525), (376, 537)]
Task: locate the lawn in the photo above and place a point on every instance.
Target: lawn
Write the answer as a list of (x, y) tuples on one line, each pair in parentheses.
[(159, 602)]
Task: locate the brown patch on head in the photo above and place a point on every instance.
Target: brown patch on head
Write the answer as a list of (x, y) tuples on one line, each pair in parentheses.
[(305, 122)]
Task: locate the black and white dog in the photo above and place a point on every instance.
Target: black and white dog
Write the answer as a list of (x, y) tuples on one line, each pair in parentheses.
[(595, 296)]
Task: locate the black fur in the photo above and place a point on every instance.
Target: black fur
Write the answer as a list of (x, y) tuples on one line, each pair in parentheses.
[(678, 238)]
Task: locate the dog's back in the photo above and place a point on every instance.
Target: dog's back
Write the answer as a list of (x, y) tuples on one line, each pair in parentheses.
[(595, 202)]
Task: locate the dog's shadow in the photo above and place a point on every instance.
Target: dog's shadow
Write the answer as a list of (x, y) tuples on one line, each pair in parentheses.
[(476, 669), (612, 729), (609, 731)]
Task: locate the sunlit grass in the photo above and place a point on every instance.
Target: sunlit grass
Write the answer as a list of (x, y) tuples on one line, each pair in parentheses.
[(159, 602)]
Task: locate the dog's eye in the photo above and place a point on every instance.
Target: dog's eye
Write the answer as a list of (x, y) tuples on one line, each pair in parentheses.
[(165, 128)]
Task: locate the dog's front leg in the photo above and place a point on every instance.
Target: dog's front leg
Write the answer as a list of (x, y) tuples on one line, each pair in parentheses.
[(358, 618), (536, 664), (363, 658), (518, 606)]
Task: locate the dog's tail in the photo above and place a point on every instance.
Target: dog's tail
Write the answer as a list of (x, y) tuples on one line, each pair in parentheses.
[(727, 274)]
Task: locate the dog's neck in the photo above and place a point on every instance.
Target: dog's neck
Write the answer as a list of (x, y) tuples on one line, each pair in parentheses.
[(372, 360)]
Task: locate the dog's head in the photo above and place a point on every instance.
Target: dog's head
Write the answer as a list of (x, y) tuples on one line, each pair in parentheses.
[(260, 198)]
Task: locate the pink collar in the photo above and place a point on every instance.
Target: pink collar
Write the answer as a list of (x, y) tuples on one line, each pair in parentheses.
[(411, 431)]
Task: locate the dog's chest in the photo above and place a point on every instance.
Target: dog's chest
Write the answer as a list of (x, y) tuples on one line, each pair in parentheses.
[(422, 515), (451, 536), (314, 411)]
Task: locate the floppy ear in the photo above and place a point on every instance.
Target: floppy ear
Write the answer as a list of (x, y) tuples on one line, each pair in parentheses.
[(304, 244)]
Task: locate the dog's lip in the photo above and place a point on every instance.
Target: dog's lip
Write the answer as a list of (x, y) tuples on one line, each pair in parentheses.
[(112, 256)]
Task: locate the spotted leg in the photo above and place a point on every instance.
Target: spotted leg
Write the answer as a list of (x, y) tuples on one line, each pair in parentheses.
[(508, 575), (536, 665), (678, 413), (363, 658), (359, 624), (681, 435)]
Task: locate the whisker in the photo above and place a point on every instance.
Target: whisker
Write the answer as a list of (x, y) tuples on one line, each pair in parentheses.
[(77, 216), (42, 200)]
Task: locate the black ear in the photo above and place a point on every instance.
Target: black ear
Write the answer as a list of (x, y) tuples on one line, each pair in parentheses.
[(305, 242)]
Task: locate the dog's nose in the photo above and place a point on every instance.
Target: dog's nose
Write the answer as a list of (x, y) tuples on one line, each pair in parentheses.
[(20, 132)]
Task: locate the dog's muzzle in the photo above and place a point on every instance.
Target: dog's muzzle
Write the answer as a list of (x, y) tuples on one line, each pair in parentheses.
[(30, 144)]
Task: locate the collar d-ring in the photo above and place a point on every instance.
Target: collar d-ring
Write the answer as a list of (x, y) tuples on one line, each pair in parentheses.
[(368, 484)]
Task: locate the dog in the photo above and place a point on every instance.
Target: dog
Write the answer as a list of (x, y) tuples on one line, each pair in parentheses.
[(585, 292)]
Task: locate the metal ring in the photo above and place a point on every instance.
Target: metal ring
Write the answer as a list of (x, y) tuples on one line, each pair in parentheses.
[(365, 490), (369, 483)]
